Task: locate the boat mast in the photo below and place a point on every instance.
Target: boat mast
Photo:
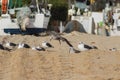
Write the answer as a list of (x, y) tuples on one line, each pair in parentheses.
[(0, 2), (7, 6), (37, 6)]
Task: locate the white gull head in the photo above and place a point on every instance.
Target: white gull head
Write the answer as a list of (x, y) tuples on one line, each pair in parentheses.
[(20, 45)]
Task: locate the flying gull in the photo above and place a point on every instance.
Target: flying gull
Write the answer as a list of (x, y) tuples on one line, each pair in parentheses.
[(56, 36)]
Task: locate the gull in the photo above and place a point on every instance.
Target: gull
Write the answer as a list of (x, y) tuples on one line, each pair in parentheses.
[(38, 48), (55, 36), (113, 49), (84, 47), (45, 44), (23, 45), (10, 44), (4, 48)]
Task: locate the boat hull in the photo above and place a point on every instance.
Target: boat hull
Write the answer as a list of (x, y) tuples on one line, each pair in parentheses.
[(28, 31), (11, 26)]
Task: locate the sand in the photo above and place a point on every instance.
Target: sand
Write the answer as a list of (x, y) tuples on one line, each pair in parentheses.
[(57, 63)]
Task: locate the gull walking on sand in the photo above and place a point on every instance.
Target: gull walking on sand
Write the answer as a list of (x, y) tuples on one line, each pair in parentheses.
[(84, 47)]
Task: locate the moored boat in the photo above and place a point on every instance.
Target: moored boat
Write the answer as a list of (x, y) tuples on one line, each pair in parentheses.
[(25, 22)]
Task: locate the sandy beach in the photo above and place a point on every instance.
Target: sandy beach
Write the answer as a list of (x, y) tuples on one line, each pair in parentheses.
[(57, 63)]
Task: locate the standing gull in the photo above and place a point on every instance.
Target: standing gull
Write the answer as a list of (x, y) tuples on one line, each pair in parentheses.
[(4, 48), (84, 47), (38, 48), (9, 44), (45, 44), (23, 45)]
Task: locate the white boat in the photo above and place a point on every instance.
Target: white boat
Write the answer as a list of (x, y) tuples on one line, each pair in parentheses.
[(116, 26), (22, 24)]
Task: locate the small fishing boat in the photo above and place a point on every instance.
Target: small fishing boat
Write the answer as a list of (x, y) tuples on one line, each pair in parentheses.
[(25, 22)]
